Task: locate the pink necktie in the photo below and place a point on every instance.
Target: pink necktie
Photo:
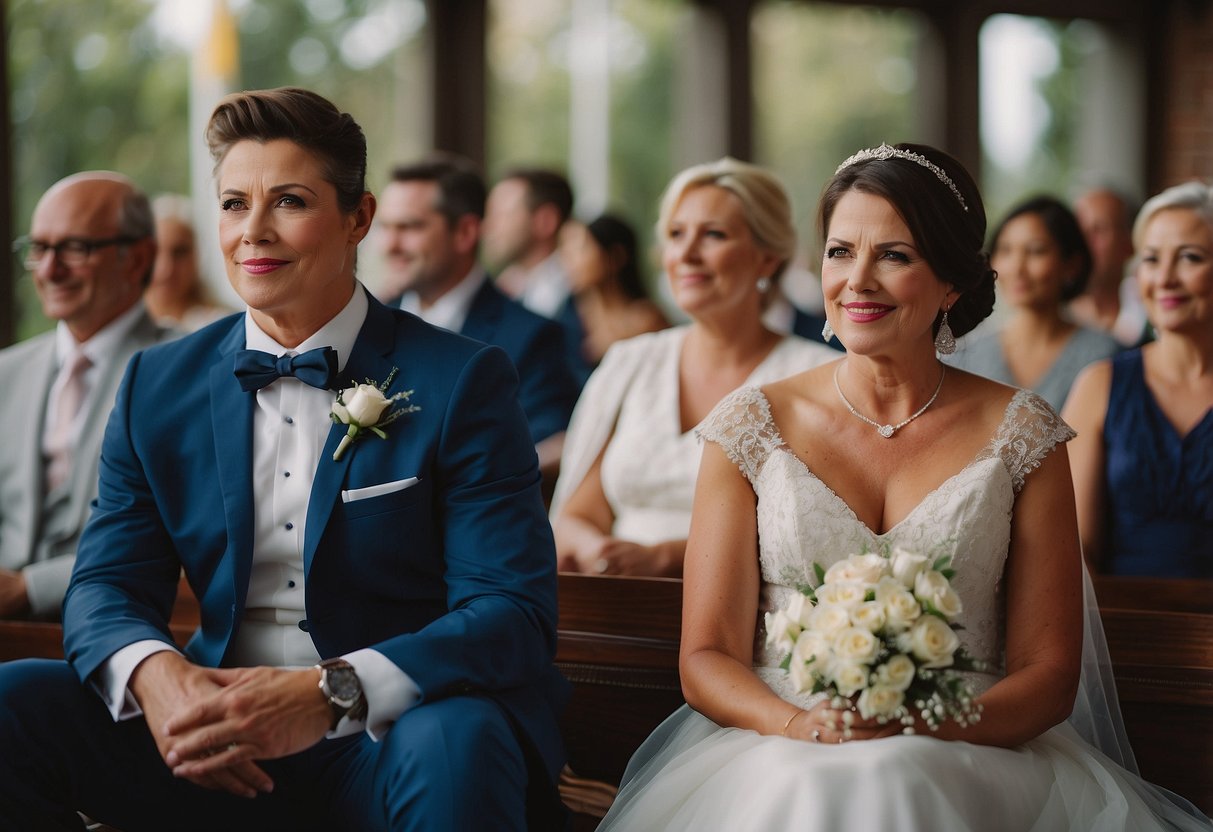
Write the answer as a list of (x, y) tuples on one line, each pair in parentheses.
[(67, 405)]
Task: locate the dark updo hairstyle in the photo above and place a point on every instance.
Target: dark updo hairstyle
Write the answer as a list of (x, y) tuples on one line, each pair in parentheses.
[(615, 237), (947, 235), (1066, 233), (300, 116)]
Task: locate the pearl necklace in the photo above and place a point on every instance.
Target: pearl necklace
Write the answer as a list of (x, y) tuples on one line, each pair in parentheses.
[(887, 431)]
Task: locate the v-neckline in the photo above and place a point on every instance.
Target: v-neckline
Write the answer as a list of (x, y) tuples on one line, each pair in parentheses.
[(1180, 439), (981, 455)]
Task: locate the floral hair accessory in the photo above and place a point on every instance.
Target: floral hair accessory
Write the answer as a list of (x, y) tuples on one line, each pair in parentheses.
[(885, 152), (365, 407)]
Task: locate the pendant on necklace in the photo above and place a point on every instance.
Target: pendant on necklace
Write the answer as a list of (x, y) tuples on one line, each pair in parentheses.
[(886, 431)]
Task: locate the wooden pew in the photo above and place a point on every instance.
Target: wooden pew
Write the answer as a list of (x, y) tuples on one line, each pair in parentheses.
[(1163, 594), (44, 639), (1163, 664), (618, 646)]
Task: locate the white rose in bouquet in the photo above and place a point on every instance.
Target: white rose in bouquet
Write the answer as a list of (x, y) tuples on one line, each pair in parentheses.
[(849, 677), (781, 631), (829, 618), (863, 568), (854, 644), (869, 616), (798, 609), (879, 701), (901, 609), (898, 672), (905, 566), (846, 594), (934, 588), (932, 641)]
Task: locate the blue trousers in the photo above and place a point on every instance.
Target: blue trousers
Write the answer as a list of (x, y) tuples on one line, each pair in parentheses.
[(454, 764)]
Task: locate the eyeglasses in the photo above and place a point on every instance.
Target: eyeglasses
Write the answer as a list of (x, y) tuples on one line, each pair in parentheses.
[(73, 252)]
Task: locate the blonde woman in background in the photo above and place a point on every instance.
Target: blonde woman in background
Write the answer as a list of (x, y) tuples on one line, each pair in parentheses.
[(176, 296), (623, 501)]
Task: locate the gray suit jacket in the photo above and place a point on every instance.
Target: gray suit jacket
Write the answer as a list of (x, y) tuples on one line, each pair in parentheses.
[(27, 371)]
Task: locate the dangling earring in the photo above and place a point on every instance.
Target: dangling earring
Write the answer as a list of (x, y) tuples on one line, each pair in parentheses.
[(827, 332), (763, 285), (945, 341)]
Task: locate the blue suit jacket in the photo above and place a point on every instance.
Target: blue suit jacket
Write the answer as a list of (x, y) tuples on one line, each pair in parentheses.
[(453, 579), (547, 389), (808, 325)]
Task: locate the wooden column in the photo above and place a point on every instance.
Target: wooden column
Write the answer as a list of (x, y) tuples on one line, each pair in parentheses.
[(457, 59), (10, 272)]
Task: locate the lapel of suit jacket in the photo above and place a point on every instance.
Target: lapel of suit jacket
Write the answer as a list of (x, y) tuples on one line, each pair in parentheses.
[(484, 313), (369, 359), (232, 427)]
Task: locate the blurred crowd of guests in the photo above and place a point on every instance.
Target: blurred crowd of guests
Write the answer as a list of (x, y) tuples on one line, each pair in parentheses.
[(1106, 312)]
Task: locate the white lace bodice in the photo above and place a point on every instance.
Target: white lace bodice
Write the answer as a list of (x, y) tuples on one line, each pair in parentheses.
[(802, 521)]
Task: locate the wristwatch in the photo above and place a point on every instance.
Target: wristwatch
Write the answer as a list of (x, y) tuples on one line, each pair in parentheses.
[(341, 687)]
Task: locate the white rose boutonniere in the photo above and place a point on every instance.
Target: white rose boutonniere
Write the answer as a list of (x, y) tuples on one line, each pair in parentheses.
[(366, 407)]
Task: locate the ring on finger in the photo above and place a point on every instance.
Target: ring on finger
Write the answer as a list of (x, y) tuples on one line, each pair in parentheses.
[(232, 746)]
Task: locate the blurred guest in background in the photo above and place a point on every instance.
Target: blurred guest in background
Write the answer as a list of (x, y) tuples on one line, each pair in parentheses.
[(177, 297), (89, 252), (429, 219), (608, 285), (1110, 302), (623, 500), (1143, 459), (523, 216), (1042, 261)]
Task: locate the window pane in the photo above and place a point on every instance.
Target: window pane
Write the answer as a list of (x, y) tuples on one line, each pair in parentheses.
[(829, 80)]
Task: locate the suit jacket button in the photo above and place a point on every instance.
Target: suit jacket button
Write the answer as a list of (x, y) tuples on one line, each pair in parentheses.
[(303, 625)]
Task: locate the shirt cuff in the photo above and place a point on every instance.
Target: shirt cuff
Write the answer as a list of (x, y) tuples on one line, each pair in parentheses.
[(112, 679), (388, 690)]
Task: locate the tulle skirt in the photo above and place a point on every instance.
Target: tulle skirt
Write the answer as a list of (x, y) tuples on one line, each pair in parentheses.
[(691, 774)]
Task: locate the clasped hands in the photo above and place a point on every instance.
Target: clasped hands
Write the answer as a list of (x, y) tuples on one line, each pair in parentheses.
[(824, 723), (613, 556), (212, 724)]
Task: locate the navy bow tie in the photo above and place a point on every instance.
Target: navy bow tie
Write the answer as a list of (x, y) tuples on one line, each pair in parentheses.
[(255, 369)]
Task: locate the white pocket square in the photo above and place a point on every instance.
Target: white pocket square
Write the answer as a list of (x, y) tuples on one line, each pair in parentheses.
[(376, 490)]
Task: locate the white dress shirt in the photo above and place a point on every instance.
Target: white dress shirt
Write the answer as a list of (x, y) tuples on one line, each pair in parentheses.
[(290, 425), (450, 311), (546, 288)]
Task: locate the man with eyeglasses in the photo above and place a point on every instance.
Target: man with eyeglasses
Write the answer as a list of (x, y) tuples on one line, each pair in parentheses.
[(89, 253)]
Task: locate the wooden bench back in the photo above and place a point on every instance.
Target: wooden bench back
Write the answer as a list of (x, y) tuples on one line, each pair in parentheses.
[(618, 646)]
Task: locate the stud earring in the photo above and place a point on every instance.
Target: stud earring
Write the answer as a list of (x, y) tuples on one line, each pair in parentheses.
[(945, 341), (827, 332), (763, 285)]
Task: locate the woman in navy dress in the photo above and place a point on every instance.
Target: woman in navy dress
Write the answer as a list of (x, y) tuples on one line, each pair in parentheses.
[(1143, 459)]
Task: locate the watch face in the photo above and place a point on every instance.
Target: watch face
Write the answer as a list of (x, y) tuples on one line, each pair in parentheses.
[(343, 686)]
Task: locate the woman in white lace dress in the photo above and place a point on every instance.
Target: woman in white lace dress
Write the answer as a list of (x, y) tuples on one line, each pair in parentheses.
[(888, 448), (627, 475)]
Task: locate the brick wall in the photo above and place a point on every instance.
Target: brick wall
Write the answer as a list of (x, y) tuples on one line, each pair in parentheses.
[(1188, 90)]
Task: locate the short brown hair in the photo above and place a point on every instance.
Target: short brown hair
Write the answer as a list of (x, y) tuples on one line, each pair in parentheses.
[(300, 116)]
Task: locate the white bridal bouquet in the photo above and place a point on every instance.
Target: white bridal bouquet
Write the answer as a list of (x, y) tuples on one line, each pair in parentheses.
[(880, 628)]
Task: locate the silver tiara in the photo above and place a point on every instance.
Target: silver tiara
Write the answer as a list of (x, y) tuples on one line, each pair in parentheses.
[(885, 152)]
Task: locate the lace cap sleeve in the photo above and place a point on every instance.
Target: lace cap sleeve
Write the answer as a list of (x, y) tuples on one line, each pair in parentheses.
[(1030, 429), (741, 425)]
